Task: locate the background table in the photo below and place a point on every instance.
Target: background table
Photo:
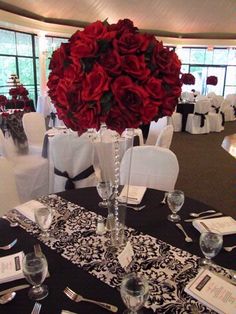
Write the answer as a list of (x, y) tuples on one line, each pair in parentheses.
[(151, 220)]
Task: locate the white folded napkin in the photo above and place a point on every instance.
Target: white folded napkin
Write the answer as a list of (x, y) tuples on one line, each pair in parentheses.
[(132, 194), (27, 209)]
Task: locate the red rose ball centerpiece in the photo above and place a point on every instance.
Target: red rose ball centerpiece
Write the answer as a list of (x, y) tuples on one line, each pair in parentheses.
[(113, 74)]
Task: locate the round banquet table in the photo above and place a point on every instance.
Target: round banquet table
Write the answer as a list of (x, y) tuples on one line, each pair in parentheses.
[(152, 220)]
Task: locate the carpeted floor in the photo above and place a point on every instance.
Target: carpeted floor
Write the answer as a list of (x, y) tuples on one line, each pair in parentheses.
[(207, 171)]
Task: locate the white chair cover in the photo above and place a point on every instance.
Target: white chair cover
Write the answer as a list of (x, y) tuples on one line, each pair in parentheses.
[(154, 130), (216, 118), (198, 122), (176, 121), (151, 166), (35, 128), (232, 99), (136, 132), (74, 155), (31, 171), (165, 137), (8, 191), (228, 110)]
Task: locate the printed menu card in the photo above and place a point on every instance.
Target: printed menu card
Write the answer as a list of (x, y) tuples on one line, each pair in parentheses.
[(132, 194), (224, 225), (11, 267), (213, 291)]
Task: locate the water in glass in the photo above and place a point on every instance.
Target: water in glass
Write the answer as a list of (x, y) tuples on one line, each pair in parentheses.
[(43, 217), (105, 191), (35, 269), (134, 292), (175, 201), (210, 243)]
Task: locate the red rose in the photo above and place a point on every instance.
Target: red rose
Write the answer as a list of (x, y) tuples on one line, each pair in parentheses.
[(95, 30), (129, 95), (111, 62), (135, 66), (154, 87), (83, 48), (150, 111), (95, 84), (59, 57), (122, 26), (130, 43)]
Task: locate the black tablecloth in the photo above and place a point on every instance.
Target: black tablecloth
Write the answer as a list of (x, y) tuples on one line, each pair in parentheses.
[(151, 220), (20, 104), (185, 109)]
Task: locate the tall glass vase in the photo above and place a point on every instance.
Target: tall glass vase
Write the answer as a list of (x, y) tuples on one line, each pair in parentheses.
[(109, 148)]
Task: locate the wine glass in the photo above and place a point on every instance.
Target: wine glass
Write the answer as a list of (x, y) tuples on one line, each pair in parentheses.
[(134, 292), (175, 201), (104, 189), (43, 217), (210, 244), (35, 269)]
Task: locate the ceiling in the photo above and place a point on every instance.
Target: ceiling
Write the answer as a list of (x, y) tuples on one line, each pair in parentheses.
[(192, 19)]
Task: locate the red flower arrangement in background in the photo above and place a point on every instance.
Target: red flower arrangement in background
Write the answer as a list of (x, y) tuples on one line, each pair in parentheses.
[(188, 79), (19, 92), (212, 80), (113, 74)]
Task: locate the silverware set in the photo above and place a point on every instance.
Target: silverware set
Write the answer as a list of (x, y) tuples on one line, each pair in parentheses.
[(78, 298), (187, 238)]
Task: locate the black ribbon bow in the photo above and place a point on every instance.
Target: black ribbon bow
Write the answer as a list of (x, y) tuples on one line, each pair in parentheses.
[(69, 182), (203, 118), (217, 109)]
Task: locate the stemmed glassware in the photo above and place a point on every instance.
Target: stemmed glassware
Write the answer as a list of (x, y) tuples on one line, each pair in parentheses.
[(105, 189), (43, 217), (175, 201), (35, 269), (134, 291), (210, 244)]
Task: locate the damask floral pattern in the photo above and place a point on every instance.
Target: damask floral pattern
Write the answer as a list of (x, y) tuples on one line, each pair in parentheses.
[(167, 268)]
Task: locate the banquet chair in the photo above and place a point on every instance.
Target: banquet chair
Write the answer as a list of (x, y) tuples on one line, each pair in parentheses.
[(31, 171), (228, 110), (154, 130), (198, 122), (215, 115), (72, 156), (165, 137), (8, 191), (176, 121), (35, 128), (151, 166)]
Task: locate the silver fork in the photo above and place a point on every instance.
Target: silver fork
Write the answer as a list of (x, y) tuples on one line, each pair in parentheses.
[(36, 308), (78, 298), (8, 246)]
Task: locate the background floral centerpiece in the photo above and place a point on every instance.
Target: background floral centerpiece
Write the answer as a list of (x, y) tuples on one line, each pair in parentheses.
[(113, 74), (188, 79), (212, 80)]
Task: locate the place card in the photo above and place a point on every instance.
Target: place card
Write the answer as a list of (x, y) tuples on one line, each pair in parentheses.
[(126, 256), (213, 291), (224, 225), (27, 209), (132, 194), (11, 267)]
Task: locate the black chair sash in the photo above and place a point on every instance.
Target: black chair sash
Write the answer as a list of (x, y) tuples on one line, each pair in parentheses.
[(223, 118), (234, 110), (217, 109), (69, 182), (136, 141), (203, 118)]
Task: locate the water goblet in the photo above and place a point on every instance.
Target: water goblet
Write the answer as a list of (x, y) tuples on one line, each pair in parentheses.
[(43, 217), (104, 189), (210, 244), (175, 201), (35, 269), (134, 292)]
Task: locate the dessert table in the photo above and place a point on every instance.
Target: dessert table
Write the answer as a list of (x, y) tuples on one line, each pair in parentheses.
[(74, 254)]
